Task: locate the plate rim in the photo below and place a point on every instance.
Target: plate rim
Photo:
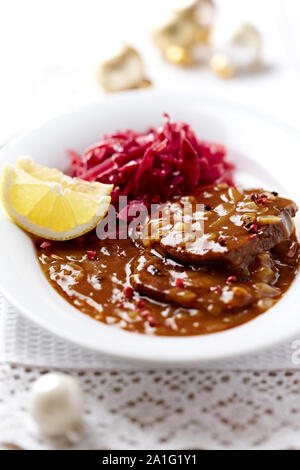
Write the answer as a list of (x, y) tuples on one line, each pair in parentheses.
[(146, 360)]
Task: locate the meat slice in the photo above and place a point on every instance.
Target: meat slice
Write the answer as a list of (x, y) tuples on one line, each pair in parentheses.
[(208, 288), (220, 224)]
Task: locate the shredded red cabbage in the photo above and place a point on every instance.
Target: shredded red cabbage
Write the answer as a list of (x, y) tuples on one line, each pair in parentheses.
[(155, 165)]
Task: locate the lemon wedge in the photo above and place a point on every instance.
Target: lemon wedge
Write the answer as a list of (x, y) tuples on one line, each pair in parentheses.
[(52, 205)]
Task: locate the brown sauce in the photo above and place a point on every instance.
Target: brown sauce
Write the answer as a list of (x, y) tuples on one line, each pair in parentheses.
[(139, 289)]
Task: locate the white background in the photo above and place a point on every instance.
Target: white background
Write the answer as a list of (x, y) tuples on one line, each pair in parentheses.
[(48, 50)]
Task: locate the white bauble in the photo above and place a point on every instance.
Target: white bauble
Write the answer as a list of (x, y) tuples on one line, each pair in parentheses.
[(56, 404)]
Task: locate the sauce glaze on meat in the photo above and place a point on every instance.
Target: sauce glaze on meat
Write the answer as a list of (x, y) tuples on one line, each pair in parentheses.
[(161, 286), (220, 224)]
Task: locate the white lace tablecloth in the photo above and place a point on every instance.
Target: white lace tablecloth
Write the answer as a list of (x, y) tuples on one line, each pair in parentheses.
[(253, 402)]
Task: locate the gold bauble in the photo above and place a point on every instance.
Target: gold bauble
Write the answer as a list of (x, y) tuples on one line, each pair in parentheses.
[(221, 65), (179, 55), (184, 29), (123, 70), (237, 49)]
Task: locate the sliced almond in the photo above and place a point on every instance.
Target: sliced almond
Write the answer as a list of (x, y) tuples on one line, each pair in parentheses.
[(249, 206), (268, 219), (248, 219), (179, 227), (234, 194), (212, 236), (56, 257), (183, 296), (146, 242), (222, 186)]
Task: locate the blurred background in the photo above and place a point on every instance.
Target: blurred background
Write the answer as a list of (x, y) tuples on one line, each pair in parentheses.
[(49, 51)]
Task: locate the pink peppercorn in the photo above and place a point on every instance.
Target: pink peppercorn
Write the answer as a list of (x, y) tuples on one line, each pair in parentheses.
[(45, 245), (140, 303), (259, 198), (91, 254), (144, 313), (128, 292), (152, 321), (253, 228), (217, 289), (179, 282)]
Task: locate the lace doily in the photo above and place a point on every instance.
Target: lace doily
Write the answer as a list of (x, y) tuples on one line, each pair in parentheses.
[(166, 409)]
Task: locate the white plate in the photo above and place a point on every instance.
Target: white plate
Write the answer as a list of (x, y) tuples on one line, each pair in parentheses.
[(266, 153)]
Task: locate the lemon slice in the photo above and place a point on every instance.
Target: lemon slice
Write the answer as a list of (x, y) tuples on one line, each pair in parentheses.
[(52, 205)]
